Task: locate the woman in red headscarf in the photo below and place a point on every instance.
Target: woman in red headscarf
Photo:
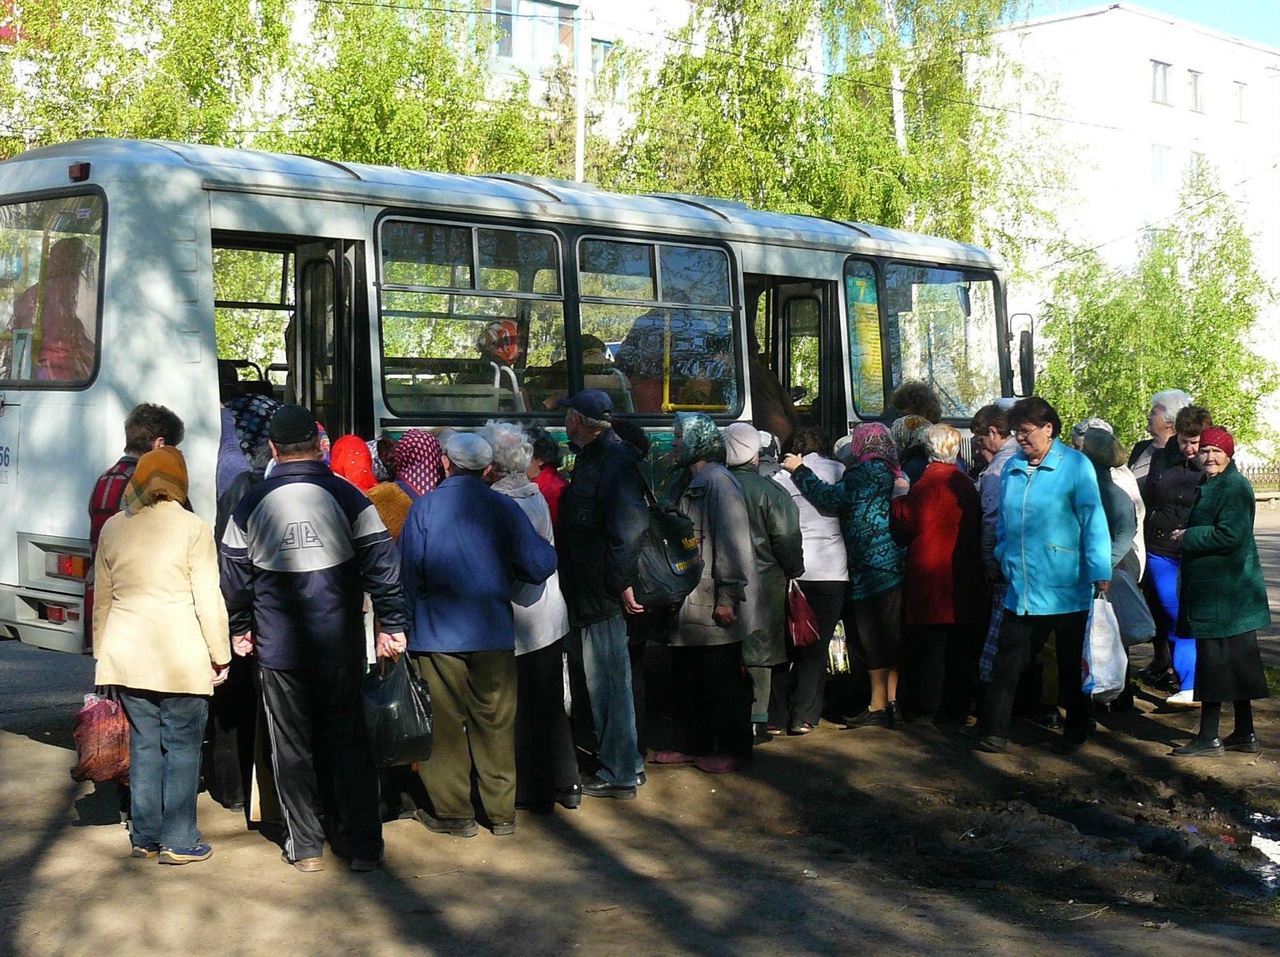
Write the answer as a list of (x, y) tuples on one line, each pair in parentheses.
[(350, 458)]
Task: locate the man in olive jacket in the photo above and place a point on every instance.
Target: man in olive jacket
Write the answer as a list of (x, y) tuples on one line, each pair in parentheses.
[(604, 516), (779, 554)]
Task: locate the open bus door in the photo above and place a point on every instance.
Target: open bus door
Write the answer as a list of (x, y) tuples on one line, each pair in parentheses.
[(330, 340), (799, 340)]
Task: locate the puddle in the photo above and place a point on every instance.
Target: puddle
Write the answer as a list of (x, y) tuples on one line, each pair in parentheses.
[(1267, 824)]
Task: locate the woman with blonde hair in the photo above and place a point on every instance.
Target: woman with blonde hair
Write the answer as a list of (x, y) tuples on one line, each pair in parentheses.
[(161, 637)]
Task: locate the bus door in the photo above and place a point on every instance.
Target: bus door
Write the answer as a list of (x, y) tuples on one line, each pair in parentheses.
[(799, 338), (331, 339)]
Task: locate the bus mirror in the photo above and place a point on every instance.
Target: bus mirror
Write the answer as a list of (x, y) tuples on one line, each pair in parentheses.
[(1027, 362), (966, 304)]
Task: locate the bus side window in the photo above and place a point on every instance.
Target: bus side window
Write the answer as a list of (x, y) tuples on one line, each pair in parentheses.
[(254, 312)]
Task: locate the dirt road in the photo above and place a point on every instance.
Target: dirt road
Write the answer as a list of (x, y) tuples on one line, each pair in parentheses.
[(893, 841)]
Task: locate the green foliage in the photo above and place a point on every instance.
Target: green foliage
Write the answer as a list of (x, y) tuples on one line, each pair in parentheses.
[(1181, 318), (165, 69)]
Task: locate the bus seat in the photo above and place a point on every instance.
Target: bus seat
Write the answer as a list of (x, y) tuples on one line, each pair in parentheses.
[(616, 384), (453, 398)]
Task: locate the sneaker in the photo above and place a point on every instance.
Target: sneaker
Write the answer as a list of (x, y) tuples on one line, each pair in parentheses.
[(1183, 699), (144, 851), (1235, 741), (185, 855), (453, 826), (596, 788)]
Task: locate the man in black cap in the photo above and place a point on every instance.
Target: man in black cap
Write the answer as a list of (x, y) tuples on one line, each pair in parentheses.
[(604, 517), (298, 554)]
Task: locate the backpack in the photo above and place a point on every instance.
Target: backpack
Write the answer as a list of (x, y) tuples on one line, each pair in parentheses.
[(669, 564)]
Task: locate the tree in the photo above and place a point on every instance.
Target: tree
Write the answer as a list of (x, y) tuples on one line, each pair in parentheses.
[(1181, 318), (166, 69)]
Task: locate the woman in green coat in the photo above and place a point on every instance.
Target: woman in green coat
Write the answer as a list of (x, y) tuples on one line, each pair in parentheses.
[(1222, 599)]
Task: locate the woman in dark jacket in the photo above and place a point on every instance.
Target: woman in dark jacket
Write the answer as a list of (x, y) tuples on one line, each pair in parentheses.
[(1169, 491), (1224, 599)]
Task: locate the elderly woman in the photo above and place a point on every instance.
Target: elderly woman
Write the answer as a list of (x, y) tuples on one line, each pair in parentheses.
[(1171, 487), (419, 468), (824, 581), (908, 435), (161, 636), (1054, 549), (546, 764), (1161, 421), (940, 518), (711, 720), (1224, 599), (875, 559)]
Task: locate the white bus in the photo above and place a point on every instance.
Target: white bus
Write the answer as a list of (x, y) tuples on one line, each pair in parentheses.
[(383, 299)]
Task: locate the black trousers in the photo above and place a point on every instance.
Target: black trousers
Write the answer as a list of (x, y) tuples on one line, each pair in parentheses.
[(545, 758), (939, 670), (1021, 638), (711, 708), (229, 738), (315, 721), (809, 664)]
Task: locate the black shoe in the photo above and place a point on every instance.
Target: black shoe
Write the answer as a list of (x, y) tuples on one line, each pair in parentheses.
[(870, 719), (570, 798), (453, 826), (1069, 744), (1051, 719), (895, 712), (504, 828), (594, 787), (1196, 748), (1248, 743), (641, 779), (759, 732), (992, 744)]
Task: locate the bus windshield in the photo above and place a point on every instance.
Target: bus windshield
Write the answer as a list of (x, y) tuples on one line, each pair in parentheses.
[(942, 330), (49, 264)]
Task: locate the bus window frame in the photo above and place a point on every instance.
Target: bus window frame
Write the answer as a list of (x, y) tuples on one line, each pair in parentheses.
[(36, 385), (734, 309), (437, 218), (877, 265)]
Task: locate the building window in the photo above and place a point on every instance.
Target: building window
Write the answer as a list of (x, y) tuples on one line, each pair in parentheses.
[(532, 32), (1161, 165), (1196, 90), (600, 50), (1240, 115), (1159, 82), (504, 26)]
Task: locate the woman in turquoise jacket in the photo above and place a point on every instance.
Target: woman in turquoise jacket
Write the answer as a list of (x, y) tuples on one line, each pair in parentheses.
[(1054, 549), (1222, 599)]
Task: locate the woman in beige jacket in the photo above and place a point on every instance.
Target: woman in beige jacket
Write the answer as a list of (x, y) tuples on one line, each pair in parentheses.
[(160, 634)]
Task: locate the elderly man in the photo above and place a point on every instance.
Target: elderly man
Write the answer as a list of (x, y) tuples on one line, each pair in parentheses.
[(463, 549), (990, 427), (604, 515), (299, 553)]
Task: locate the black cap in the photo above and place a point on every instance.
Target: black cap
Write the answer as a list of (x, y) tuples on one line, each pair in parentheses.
[(593, 403), (293, 425)]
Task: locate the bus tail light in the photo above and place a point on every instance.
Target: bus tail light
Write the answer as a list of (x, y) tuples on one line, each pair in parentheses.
[(66, 565)]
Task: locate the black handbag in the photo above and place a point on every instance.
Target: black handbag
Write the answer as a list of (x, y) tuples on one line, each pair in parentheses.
[(669, 565), (397, 713)]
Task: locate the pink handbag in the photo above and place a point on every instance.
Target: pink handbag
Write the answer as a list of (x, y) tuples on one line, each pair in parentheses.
[(802, 623)]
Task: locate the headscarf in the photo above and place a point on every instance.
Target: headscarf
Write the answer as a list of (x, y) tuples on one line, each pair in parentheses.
[(232, 461), (419, 462), (252, 414), (322, 443), (1101, 448), (351, 460), (908, 432), (161, 475), (871, 440), (379, 467), (700, 440)]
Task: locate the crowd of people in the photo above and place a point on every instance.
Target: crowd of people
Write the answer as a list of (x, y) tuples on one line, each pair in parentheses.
[(964, 589)]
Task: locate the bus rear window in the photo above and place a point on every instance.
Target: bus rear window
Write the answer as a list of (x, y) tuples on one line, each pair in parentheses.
[(49, 299)]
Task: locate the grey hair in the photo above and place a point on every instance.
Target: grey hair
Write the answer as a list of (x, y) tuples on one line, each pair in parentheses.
[(1172, 401), (942, 442), (512, 450)]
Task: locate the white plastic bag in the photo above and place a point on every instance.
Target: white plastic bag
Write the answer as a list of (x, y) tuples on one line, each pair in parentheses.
[(1104, 663)]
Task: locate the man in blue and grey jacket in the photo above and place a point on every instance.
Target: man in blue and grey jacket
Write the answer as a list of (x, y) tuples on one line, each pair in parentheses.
[(300, 551)]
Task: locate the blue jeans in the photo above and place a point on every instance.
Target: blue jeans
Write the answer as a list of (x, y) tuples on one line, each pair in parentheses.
[(608, 671), (1164, 575), (165, 734)]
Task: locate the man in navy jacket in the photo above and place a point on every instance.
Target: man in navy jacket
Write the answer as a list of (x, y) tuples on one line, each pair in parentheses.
[(463, 548), (300, 551)]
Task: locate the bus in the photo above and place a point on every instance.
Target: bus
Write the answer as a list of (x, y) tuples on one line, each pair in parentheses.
[(384, 299)]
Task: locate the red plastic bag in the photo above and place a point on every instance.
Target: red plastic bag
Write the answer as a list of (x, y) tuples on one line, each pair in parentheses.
[(101, 734), (802, 623)]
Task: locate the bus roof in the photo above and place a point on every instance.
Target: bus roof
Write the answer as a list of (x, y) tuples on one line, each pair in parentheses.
[(534, 197)]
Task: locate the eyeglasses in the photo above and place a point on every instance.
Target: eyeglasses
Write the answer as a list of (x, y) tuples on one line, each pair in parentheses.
[(1027, 431)]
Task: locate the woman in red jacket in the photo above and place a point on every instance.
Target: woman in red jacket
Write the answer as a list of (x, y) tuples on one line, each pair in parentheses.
[(940, 518)]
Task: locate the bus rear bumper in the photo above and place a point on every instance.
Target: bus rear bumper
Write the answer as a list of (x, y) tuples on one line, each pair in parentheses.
[(46, 619)]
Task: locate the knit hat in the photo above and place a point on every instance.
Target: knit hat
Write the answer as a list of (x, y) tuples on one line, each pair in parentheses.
[(1215, 436), (293, 425), (1079, 429), (160, 475), (469, 451), (741, 443)]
